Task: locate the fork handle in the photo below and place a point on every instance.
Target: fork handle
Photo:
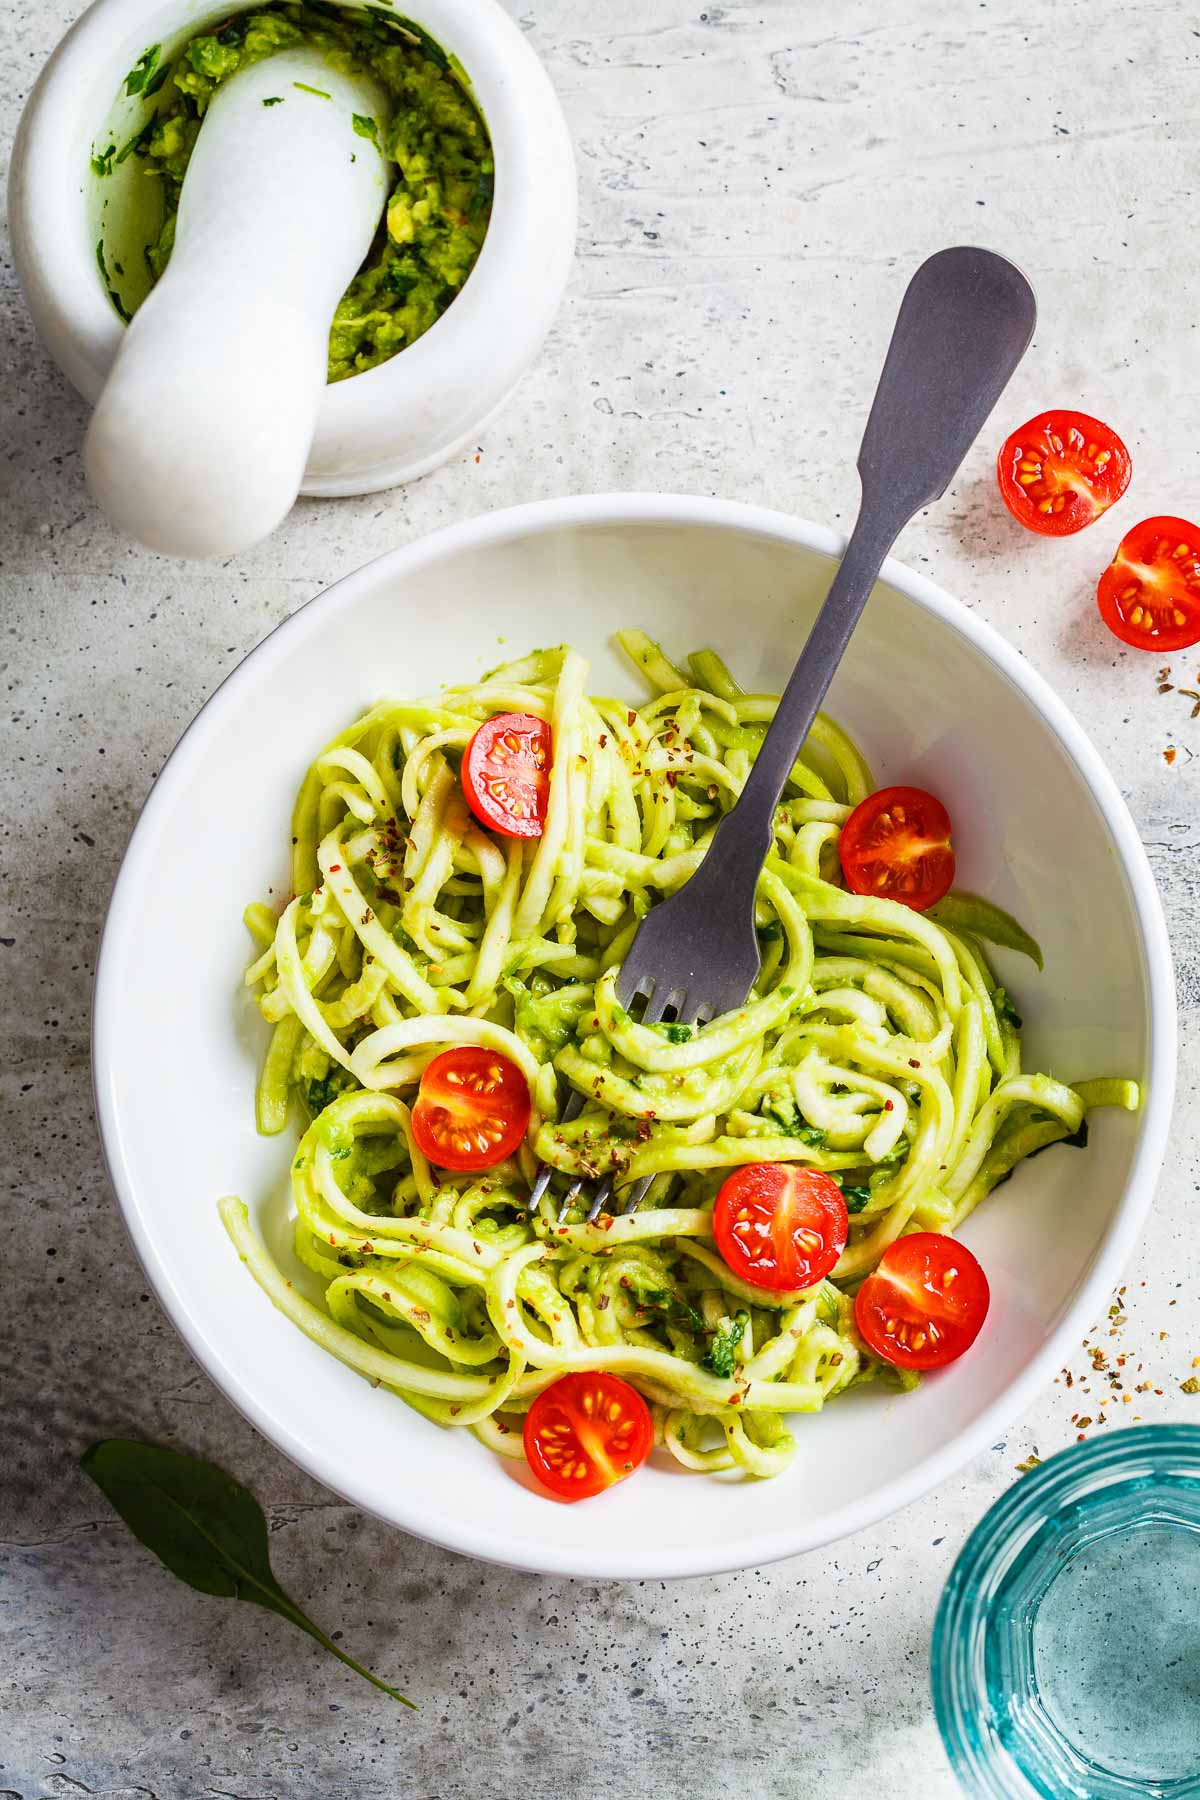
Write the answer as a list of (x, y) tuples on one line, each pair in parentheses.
[(965, 321)]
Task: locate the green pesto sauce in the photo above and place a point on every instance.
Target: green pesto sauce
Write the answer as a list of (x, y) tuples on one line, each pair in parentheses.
[(436, 144)]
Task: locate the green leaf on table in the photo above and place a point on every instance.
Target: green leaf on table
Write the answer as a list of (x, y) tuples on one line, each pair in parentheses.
[(206, 1527)]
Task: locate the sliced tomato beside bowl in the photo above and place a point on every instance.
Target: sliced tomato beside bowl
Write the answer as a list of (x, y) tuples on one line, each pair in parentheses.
[(1060, 470), (1149, 596)]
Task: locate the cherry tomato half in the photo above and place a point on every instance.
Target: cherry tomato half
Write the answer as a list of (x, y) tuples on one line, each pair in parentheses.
[(780, 1226), (896, 845), (1149, 595), (472, 1109), (924, 1303), (585, 1432), (506, 774), (1060, 471)]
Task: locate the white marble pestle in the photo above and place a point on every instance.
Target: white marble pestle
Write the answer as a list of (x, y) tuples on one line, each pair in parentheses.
[(199, 439)]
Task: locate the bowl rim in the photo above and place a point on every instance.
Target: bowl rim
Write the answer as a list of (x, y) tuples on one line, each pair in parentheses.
[(409, 1511)]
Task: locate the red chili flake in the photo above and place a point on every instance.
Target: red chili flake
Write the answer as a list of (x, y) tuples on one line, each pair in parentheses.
[(735, 1399), (1169, 755), (335, 868), (888, 1106), (913, 1063)]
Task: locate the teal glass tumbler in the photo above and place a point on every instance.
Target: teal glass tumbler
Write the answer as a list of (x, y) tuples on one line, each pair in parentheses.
[(1066, 1649)]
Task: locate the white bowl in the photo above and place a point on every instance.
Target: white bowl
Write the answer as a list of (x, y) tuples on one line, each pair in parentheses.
[(933, 696), (389, 424)]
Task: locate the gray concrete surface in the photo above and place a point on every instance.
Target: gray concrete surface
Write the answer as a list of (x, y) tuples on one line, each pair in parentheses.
[(757, 177)]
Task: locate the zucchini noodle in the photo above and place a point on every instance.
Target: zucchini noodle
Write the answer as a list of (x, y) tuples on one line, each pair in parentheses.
[(878, 1045)]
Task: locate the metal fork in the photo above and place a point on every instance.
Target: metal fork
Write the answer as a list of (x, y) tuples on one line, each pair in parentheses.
[(964, 324)]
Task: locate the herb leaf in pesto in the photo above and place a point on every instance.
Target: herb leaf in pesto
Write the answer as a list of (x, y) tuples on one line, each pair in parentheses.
[(205, 1527), (118, 304), (143, 71), (722, 1354)]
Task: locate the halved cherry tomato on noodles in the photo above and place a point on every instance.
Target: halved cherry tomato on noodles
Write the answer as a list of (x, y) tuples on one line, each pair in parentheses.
[(585, 1432), (506, 774), (1150, 593), (472, 1109), (1061, 470), (896, 845), (780, 1226), (924, 1303)]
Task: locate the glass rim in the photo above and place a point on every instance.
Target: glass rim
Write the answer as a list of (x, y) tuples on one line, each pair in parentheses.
[(1077, 1474)]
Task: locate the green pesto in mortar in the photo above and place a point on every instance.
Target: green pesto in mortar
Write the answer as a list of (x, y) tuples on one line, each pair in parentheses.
[(436, 143)]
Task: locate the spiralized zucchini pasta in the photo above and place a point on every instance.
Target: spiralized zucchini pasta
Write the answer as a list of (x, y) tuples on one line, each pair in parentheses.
[(877, 1049)]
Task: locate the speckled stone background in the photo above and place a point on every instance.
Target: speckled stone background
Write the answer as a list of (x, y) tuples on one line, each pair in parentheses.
[(757, 178)]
